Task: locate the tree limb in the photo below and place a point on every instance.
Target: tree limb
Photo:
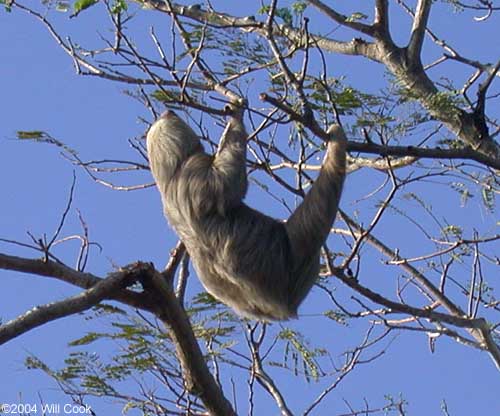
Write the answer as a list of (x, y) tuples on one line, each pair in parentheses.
[(381, 21), (477, 327), (40, 315), (397, 60), (384, 150), (159, 298), (197, 377), (418, 30), (62, 272), (341, 19)]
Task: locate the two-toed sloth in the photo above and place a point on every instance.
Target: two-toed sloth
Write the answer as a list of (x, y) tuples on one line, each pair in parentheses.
[(261, 267)]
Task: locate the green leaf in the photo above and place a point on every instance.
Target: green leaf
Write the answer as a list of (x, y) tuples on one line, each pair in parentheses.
[(297, 348), (264, 10), (43, 137), (7, 4), (285, 14), (299, 7), (166, 96), (81, 5), (87, 339), (356, 17), (488, 195), (282, 12), (31, 135), (336, 316), (452, 230), (119, 6), (63, 6), (462, 189)]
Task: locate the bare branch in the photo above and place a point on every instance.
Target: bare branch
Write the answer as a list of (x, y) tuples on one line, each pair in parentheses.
[(478, 328), (438, 295), (418, 30), (221, 20), (64, 215), (40, 315), (481, 94), (62, 272), (261, 375), (341, 19), (458, 321), (196, 374), (203, 67), (381, 21), (383, 150), (451, 247)]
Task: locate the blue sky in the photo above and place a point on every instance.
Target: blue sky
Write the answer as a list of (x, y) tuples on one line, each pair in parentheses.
[(41, 91)]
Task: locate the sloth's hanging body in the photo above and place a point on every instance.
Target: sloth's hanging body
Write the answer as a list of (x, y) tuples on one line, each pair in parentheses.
[(261, 267)]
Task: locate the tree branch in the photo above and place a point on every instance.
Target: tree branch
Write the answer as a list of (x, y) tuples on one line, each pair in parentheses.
[(197, 377), (74, 304), (158, 298), (466, 153), (397, 61), (383, 150), (461, 322), (260, 373), (478, 327), (341, 19), (418, 30), (221, 20), (381, 21), (62, 272)]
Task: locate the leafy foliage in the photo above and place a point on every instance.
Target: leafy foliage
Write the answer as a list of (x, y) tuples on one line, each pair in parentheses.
[(81, 5)]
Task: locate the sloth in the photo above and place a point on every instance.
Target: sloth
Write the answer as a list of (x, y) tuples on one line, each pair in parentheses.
[(261, 267)]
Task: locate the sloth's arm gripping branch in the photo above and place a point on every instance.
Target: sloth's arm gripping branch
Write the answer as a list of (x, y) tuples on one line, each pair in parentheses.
[(229, 169)]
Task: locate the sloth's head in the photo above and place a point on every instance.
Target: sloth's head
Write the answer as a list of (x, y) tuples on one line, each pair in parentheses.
[(336, 133), (172, 133), (170, 142)]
